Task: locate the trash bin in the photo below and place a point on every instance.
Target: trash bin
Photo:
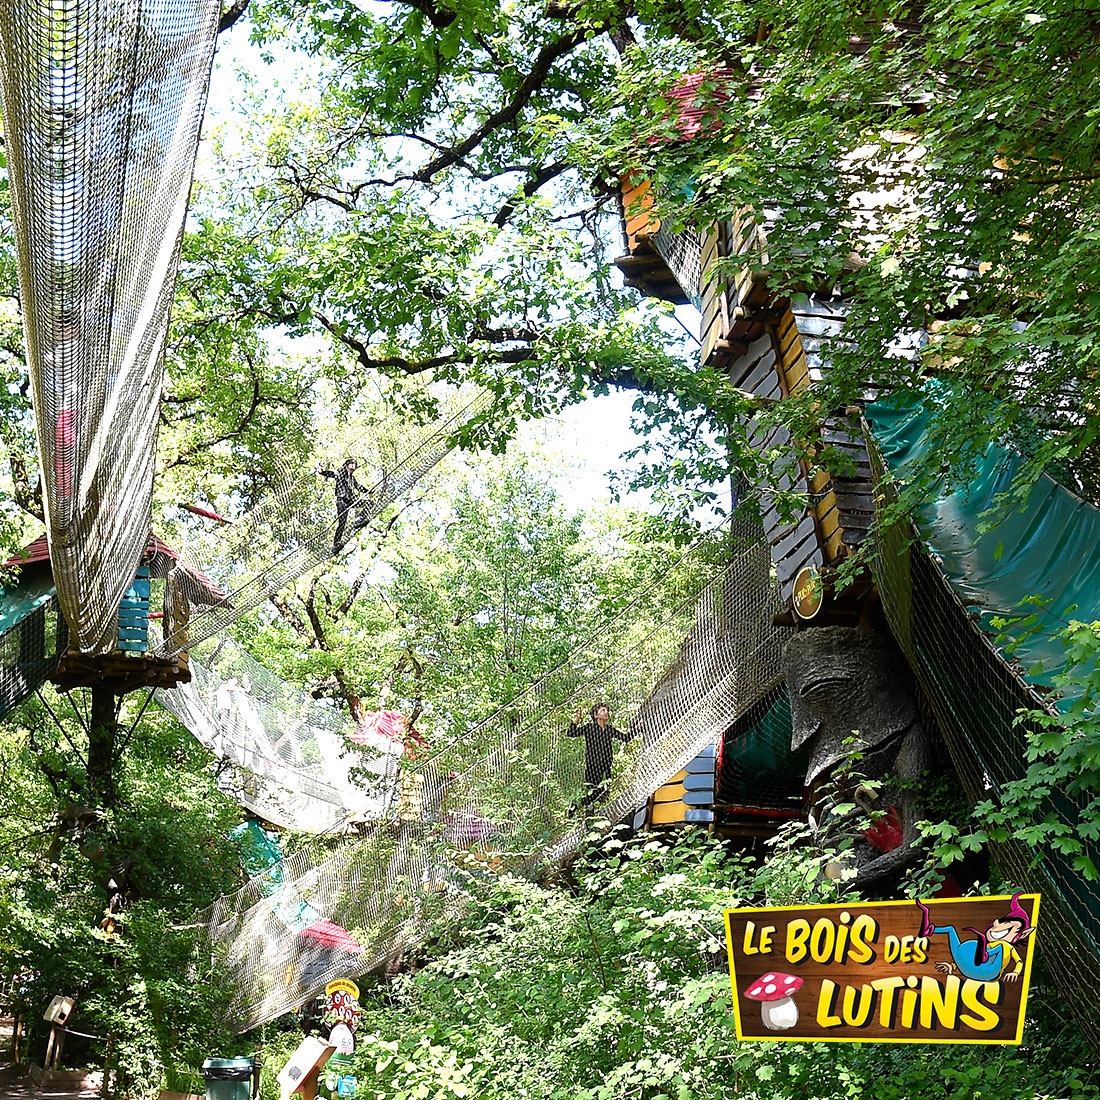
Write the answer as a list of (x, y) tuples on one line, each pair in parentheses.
[(227, 1078)]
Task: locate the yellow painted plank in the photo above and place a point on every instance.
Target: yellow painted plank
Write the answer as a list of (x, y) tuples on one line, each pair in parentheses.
[(669, 813), (796, 373)]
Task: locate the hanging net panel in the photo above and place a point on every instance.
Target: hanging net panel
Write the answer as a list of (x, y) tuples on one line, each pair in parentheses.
[(295, 761), (976, 689), (299, 762), (32, 638), (311, 517), (102, 105), (758, 774), (513, 791)]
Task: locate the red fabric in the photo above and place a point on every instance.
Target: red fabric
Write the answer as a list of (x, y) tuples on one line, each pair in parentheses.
[(392, 724), (698, 111), (885, 833), (332, 936), (389, 723), (64, 438), (196, 510)]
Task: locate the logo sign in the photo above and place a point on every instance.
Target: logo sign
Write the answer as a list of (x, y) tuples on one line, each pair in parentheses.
[(342, 1002), (950, 971), (809, 592)]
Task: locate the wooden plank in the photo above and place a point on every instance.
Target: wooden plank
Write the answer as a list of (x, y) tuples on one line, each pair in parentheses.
[(762, 380), (786, 330), (811, 325), (709, 250), (796, 373), (828, 522), (791, 537), (842, 437), (834, 545), (743, 366), (709, 335), (816, 307), (853, 502), (858, 520), (669, 813), (806, 553)]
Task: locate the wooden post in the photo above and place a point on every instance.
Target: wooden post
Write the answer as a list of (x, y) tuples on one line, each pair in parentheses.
[(47, 1062)]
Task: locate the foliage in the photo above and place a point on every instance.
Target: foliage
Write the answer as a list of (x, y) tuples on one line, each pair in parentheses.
[(148, 986), (1054, 805), (618, 987)]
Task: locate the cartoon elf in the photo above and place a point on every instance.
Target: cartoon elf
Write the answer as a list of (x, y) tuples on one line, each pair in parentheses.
[(994, 954)]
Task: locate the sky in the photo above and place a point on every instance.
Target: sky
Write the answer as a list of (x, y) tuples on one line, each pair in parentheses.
[(589, 438)]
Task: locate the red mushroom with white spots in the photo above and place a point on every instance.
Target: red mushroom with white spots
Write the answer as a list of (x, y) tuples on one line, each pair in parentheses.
[(775, 992)]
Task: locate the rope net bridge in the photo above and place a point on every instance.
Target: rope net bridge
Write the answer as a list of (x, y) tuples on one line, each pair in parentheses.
[(289, 757), (102, 105), (510, 792)]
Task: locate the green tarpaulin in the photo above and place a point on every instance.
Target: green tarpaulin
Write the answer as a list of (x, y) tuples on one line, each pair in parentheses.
[(19, 600), (1050, 548)]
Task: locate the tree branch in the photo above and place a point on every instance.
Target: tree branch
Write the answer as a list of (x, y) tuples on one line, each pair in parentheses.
[(510, 111), (231, 14), (537, 180)]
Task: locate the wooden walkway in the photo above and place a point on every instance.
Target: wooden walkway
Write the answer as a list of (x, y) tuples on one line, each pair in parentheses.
[(21, 1086)]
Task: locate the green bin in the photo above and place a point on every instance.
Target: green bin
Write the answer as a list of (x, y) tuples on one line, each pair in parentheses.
[(227, 1078)]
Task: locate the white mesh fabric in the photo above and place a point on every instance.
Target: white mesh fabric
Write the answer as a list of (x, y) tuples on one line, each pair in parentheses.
[(676, 685), (102, 106)]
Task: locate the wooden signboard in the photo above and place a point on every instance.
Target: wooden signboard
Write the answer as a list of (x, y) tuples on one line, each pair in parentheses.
[(58, 1010), (299, 1075), (808, 593), (950, 971)]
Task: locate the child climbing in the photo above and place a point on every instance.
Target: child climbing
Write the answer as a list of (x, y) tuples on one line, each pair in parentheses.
[(598, 735), (348, 491)]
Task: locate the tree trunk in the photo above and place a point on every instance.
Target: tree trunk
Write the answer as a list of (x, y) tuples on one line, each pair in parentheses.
[(102, 744)]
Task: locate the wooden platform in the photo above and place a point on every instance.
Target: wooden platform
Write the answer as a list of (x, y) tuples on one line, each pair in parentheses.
[(124, 672)]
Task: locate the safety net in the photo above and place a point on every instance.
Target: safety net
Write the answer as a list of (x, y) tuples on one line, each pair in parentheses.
[(310, 515), (33, 639), (102, 105), (758, 773), (295, 761), (516, 789), (939, 594)]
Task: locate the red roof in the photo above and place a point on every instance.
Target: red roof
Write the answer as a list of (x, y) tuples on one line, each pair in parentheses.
[(39, 551), (332, 936), (698, 100)]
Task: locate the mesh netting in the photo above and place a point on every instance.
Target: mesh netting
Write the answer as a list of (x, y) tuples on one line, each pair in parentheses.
[(287, 756), (341, 907), (102, 107), (758, 771), (302, 523), (976, 696), (29, 653)]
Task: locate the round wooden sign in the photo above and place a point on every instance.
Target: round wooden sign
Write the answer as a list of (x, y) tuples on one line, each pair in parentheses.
[(809, 592)]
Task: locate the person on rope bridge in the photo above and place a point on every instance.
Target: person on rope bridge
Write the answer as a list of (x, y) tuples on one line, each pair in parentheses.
[(598, 735), (348, 491)]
